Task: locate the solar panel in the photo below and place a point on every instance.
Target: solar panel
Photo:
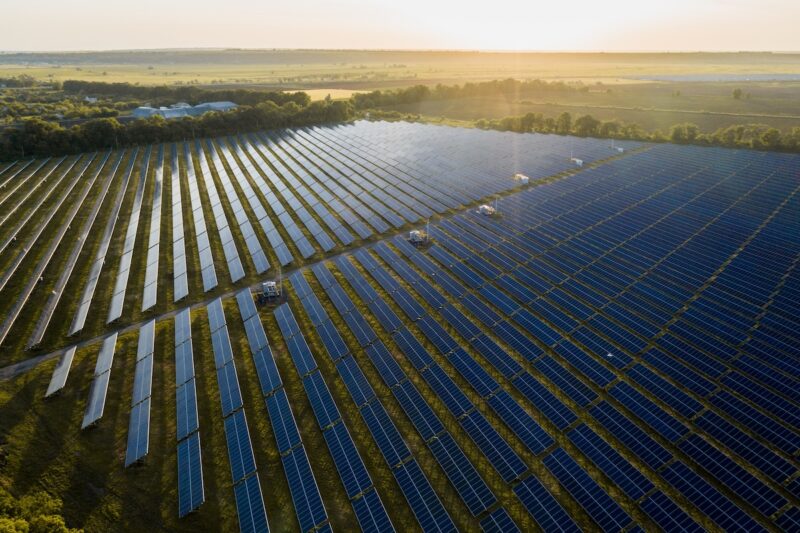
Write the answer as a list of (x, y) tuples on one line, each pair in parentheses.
[(349, 465), (708, 499), (355, 381), (496, 449), (191, 494), (305, 494), (600, 506), (321, 400), (620, 471), (250, 505), (498, 521), (385, 434), (535, 438), (229, 394), (462, 474), (106, 356), (138, 432), (186, 406), (240, 451), (282, 420), (667, 515), (425, 505), (371, 514), (540, 504), (142, 379), (61, 372)]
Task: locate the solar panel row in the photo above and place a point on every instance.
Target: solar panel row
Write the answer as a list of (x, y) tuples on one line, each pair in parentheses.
[(139, 427), (247, 490), (79, 320), (348, 462), (425, 505), (191, 492), (99, 388), (121, 284)]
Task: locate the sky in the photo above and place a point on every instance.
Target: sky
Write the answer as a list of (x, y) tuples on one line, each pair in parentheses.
[(611, 25)]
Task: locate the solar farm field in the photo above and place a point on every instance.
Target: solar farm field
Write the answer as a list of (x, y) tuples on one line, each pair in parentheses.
[(615, 349)]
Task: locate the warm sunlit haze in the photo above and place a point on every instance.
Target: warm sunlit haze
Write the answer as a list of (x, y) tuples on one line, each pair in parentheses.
[(625, 25)]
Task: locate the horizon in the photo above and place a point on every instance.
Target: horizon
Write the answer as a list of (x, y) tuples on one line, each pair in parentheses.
[(410, 50), (507, 25)]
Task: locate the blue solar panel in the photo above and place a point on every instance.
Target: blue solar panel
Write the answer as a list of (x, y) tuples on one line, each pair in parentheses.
[(437, 335), (347, 460), (282, 421), (358, 325), (240, 450), (473, 373), (733, 476), (387, 318), (334, 344), (190, 475), (186, 407), (639, 442), (604, 510), (544, 400), (655, 417), (355, 381), (301, 354), (498, 521), (387, 367), (412, 348), (462, 474), (617, 468), (667, 515), (521, 423), (746, 447), (541, 505), (565, 381), (418, 411), (321, 400), (496, 356), (445, 388), (720, 509), (585, 363), (425, 505), (503, 458), (371, 514), (250, 505), (307, 501), (388, 439), (229, 394)]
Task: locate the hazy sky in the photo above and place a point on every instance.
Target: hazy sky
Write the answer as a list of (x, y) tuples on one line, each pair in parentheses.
[(408, 24)]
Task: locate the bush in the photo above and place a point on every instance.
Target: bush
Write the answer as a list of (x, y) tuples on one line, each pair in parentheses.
[(34, 513)]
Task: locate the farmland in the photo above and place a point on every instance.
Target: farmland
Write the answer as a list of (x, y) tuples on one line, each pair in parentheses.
[(614, 347)]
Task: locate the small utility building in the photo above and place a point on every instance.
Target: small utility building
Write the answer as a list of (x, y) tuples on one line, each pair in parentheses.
[(182, 109)]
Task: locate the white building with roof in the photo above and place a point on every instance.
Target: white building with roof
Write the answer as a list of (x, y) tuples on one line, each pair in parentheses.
[(182, 109)]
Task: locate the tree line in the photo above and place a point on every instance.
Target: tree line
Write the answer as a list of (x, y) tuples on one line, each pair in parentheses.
[(38, 137), (756, 136), (33, 513), (509, 88), (189, 94)]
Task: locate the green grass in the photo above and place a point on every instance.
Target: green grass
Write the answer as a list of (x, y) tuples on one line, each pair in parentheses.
[(652, 106), (358, 69)]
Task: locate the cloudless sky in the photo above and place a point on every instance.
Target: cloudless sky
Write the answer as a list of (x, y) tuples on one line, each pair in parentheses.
[(402, 24)]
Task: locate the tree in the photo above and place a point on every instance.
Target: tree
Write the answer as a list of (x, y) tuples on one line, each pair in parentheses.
[(737, 93), (771, 139), (586, 125), (564, 123), (34, 513)]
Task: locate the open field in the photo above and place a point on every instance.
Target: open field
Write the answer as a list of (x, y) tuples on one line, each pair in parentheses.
[(356, 69), (616, 346), (653, 105)]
